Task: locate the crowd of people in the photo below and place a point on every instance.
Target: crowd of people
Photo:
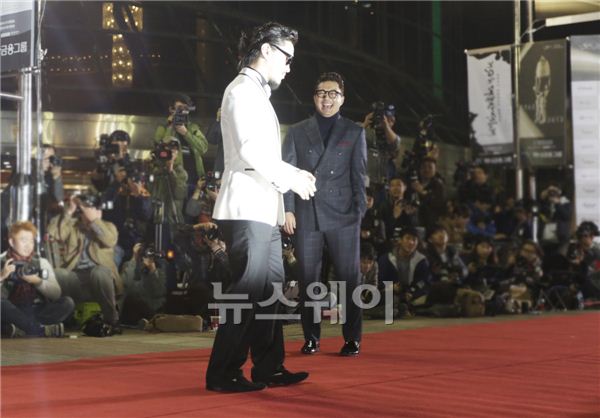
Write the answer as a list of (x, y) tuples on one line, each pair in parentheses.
[(142, 240)]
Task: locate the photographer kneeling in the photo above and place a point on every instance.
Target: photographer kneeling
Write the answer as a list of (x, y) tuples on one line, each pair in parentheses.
[(88, 271), (144, 280), (31, 300)]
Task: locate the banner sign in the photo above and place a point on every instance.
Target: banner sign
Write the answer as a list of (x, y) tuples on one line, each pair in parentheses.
[(16, 34), (585, 95), (490, 104), (542, 104)]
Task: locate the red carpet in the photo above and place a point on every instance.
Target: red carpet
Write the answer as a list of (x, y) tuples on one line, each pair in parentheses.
[(541, 367)]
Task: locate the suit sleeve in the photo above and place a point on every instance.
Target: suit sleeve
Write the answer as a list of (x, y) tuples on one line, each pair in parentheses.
[(247, 125), (290, 157), (359, 173)]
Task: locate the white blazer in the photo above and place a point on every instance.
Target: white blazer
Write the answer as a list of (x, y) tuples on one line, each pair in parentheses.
[(254, 177)]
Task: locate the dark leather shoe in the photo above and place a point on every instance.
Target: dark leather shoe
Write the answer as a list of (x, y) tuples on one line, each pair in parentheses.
[(237, 384), (280, 378), (310, 347), (350, 348)]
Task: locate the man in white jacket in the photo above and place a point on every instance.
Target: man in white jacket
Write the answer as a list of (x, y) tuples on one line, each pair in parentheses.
[(249, 210)]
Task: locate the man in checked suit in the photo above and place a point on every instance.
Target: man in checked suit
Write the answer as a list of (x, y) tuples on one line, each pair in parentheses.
[(333, 148), (249, 209)]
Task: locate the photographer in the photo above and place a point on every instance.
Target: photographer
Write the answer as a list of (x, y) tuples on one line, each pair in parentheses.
[(202, 260), (31, 298), (395, 210), (131, 208), (555, 215), (193, 144), (144, 280), (382, 143), (52, 192), (87, 271), (444, 260), (583, 257), (476, 187), (199, 206), (113, 151), (431, 193)]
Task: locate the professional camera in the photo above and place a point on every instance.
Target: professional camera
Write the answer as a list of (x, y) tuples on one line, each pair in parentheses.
[(211, 180), (55, 161), (163, 151), (286, 242), (107, 146), (182, 115), (462, 173), (210, 234), (423, 145), (28, 268), (137, 174), (380, 110), (92, 200)]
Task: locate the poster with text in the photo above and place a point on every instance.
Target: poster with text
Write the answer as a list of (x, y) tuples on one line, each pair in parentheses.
[(542, 104), (490, 105), (16, 35)]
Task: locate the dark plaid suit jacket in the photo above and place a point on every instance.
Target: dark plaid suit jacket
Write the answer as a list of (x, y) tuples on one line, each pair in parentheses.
[(340, 170)]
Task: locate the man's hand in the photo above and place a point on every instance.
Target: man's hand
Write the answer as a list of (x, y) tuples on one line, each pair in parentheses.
[(417, 187), (32, 279), (56, 171), (368, 120), (149, 263), (7, 270), (181, 129), (290, 223), (304, 186), (91, 213)]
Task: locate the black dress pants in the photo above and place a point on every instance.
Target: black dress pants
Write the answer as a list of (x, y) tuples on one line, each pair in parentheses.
[(256, 264)]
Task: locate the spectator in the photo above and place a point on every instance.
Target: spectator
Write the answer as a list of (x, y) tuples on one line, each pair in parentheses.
[(476, 188), (395, 210), (444, 260), (193, 144), (407, 268), (31, 303), (456, 225), (481, 221), (432, 193), (555, 216), (144, 280), (372, 227), (87, 272), (584, 258), (483, 272)]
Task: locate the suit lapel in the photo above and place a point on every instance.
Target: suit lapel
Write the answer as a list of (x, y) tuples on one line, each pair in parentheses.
[(314, 136), (337, 133)]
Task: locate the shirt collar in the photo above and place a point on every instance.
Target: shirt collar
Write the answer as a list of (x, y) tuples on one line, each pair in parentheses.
[(258, 77)]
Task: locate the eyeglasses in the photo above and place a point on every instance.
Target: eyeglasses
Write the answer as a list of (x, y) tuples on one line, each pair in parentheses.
[(289, 57), (333, 94)]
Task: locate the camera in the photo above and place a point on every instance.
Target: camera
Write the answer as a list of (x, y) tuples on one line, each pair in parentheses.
[(211, 180), (107, 146), (92, 200), (182, 115), (286, 242), (163, 151), (28, 268), (210, 234), (380, 110), (55, 161)]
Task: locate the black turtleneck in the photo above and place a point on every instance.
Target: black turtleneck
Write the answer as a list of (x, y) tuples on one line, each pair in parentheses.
[(325, 125)]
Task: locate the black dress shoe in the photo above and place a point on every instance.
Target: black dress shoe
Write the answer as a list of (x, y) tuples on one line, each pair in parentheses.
[(280, 378), (237, 384), (350, 348), (310, 347)]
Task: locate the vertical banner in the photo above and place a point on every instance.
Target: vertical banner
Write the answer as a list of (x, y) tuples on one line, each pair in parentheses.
[(490, 104), (16, 34), (542, 104), (585, 92)]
